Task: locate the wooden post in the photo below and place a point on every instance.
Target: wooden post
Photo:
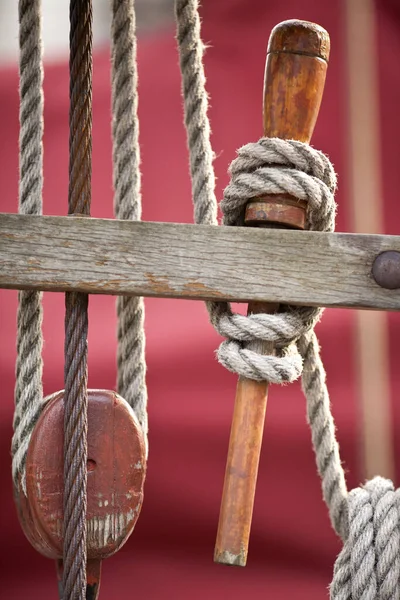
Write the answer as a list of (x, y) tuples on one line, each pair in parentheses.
[(295, 72)]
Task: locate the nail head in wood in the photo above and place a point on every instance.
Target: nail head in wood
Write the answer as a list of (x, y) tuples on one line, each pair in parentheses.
[(386, 270)]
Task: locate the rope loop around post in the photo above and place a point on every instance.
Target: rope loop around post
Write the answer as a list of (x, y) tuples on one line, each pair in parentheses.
[(273, 166)]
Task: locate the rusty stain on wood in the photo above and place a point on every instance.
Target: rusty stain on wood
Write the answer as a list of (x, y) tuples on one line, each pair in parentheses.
[(159, 283), (196, 288)]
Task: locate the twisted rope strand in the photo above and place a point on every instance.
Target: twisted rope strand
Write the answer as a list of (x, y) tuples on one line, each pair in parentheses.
[(326, 447), (384, 503), (29, 366), (76, 319), (127, 200), (201, 156)]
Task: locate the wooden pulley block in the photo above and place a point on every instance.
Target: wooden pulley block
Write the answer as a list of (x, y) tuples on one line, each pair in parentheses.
[(116, 469)]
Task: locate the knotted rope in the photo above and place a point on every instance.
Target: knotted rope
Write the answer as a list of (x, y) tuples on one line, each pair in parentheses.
[(367, 518), (273, 166)]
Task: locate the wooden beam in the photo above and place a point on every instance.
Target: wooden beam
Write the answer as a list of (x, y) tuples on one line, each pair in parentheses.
[(101, 256)]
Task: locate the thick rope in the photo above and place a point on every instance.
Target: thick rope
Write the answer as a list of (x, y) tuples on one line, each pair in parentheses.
[(367, 518), (368, 567), (28, 389), (76, 316), (127, 201)]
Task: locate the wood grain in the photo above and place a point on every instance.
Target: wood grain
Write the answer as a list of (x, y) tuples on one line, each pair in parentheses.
[(101, 256)]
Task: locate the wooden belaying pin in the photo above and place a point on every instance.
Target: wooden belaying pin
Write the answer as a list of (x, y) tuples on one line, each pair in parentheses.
[(297, 59), (116, 469)]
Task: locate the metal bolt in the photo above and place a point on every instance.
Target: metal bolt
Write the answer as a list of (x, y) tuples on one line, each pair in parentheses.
[(386, 270)]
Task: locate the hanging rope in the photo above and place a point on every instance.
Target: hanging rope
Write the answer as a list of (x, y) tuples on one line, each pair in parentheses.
[(127, 200), (28, 389), (368, 518), (201, 156), (76, 316)]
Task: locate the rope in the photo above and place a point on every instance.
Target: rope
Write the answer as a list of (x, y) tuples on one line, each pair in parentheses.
[(368, 567), (367, 518), (127, 201), (76, 317), (191, 51), (28, 389), (273, 166)]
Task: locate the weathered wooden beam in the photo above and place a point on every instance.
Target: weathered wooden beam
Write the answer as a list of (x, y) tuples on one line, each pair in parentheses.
[(101, 256)]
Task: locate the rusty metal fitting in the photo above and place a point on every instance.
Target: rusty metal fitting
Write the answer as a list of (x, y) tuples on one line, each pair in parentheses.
[(280, 209)]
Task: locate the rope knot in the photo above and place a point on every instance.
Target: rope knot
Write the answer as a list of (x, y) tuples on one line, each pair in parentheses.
[(273, 166), (368, 567)]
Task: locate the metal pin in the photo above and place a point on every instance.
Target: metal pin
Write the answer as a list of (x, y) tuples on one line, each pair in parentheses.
[(386, 270)]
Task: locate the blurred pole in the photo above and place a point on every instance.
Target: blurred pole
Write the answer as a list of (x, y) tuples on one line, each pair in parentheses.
[(372, 348), (152, 15)]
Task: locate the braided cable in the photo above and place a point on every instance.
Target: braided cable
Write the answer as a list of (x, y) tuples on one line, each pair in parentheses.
[(76, 318)]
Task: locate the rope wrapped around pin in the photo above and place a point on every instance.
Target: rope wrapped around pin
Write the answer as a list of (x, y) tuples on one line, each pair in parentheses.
[(273, 166)]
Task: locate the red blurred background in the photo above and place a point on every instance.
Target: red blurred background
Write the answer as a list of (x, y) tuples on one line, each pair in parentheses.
[(191, 397)]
